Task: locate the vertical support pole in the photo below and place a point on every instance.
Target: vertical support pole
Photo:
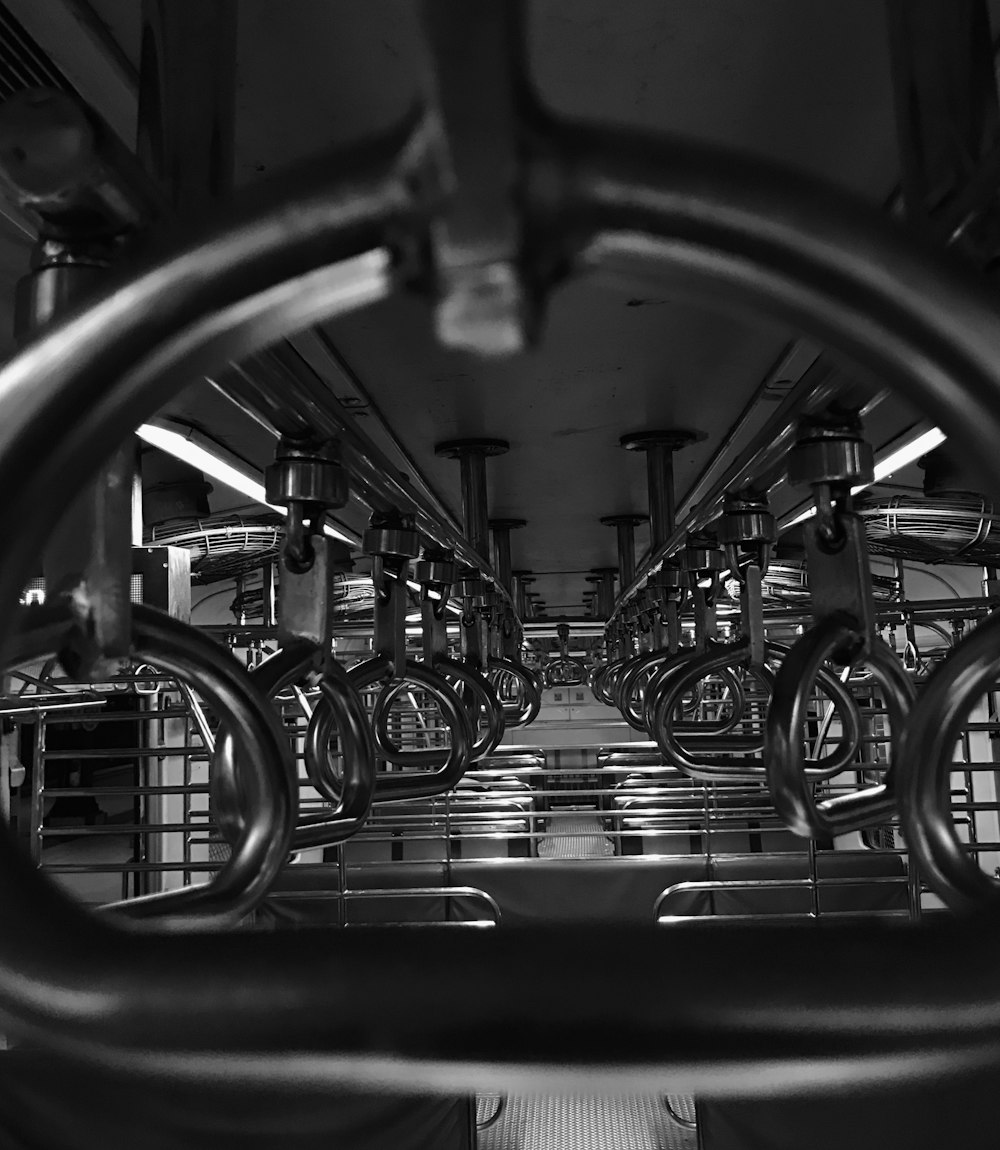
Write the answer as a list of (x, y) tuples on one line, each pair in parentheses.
[(472, 455), (522, 593), (659, 447), (501, 529), (510, 630), (660, 485), (625, 525)]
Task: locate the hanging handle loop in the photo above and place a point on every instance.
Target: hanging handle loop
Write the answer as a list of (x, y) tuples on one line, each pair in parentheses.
[(435, 573), (832, 458)]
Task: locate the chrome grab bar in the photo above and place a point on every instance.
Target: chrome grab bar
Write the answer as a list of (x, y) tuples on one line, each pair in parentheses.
[(563, 671), (928, 1003), (479, 701), (471, 892), (832, 458), (343, 713), (787, 774), (447, 765), (392, 541), (263, 769), (436, 573), (923, 774), (659, 681), (817, 883), (724, 769), (523, 708), (604, 680)]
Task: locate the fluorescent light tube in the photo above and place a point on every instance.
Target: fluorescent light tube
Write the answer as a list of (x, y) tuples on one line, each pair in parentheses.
[(906, 454), (185, 446), (893, 460)]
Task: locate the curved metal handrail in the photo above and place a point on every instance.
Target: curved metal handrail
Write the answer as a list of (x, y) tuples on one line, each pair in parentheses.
[(787, 775), (447, 765), (929, 1005), (481, 702), (342, 713), (628, 681), (520, 714), (564, 672), (263, 769), (659, 680), (678, 1119), (603, 686), (494, 1118), (729, 769), (926, 756), (478, 698)]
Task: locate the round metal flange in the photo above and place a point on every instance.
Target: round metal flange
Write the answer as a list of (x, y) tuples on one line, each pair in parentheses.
[(456, 448), (702, 559), (747, 527), (391, 541), (831, 459), (434, 572), (674, 439), (668, 578), (629, 519)]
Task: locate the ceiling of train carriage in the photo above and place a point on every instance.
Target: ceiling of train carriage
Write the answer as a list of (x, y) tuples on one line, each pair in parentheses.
[(802, 82)]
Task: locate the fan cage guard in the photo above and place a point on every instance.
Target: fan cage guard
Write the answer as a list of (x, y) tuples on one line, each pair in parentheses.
[(956, 527), (352, 595), (787, 582), (222, 546)]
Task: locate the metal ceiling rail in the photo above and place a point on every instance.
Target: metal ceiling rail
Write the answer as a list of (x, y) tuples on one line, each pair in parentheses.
[(937, 50), (759, 464), (274, 391)]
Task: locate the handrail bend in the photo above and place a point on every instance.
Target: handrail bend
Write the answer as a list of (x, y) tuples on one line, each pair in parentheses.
[(523, 712), (482, 704), (605, 679), (787, 775), (351, 793), (447, 765), (730, 769), (659, 681), (478, 698), (925, 764), (262, 765)]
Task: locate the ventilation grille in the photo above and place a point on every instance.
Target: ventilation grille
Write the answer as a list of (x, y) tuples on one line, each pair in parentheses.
[(22, 63), (956, 527)]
